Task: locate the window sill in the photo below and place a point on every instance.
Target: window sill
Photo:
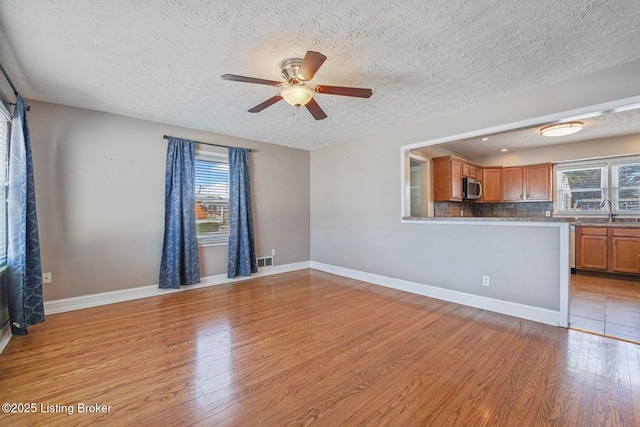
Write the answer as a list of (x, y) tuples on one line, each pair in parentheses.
[(206, 245)]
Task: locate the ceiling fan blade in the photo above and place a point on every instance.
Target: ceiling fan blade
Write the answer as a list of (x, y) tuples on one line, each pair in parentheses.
[(315, 110), (310, 64), (244, 79), (344, 91), (269, 102)]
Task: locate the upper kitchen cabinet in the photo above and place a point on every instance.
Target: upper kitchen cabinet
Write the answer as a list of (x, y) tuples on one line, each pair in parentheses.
[(512, 184), (491, 184), (448, 172), (527, 183), (538, 182), (447, 179)]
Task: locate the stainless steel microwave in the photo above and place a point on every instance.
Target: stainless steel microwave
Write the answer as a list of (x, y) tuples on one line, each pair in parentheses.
[(471, 189)]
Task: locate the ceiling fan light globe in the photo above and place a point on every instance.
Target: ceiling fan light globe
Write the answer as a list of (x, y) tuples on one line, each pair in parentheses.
[(297, 95)]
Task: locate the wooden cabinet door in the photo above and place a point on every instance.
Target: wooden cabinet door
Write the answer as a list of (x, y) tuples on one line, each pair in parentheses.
[(491, 184), (626, 255), (465, 170), (593, 252), (538, 182), (473, 172), (512, 184), (456, 180)]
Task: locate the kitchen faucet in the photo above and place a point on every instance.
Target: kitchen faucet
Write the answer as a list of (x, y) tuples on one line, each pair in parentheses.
[(610, 209)]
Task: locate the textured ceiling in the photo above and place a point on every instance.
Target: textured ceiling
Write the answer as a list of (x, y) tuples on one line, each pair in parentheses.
[(162, 60), (598, 127)]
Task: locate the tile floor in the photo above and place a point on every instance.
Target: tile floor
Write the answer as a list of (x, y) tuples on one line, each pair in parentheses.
[(605, 306)]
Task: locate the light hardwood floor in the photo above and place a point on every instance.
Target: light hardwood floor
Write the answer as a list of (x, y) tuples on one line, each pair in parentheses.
[(310, 348)]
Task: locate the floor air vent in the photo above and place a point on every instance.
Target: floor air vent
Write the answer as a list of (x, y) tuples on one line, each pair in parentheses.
[(265, 262)]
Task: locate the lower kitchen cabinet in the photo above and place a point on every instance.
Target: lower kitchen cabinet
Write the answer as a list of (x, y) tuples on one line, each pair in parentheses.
[(625, 250), (592, 250), (610, 249)]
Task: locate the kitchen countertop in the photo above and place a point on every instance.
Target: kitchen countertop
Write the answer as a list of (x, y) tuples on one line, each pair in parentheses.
[(487, 219), (607, 224), (571, 221)]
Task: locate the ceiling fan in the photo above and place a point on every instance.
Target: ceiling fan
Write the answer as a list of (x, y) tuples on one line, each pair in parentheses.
[(297, 73)]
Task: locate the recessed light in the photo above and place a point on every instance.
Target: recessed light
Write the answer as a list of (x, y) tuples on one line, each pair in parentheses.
[(485, 139), (504, 149)]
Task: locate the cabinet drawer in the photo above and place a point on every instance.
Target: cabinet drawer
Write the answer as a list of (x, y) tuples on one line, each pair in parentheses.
[(626, 232), (594, 231)]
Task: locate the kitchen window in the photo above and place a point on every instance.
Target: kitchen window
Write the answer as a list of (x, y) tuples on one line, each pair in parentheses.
[(581, 187), (212, 198)]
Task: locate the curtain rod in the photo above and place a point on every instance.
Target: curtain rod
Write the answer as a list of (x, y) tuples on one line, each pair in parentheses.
[(206, 143), (15, 91), (6, 76)]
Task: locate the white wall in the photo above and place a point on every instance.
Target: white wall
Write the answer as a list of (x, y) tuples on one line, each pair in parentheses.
[(356, 208), (597, 148), (100, 199)]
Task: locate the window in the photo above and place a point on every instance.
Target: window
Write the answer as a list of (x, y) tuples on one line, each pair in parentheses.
[(581, 187), (212, 198), (5, 126), (626, 187)]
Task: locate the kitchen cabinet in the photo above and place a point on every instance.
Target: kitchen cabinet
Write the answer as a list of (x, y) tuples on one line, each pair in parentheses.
[(592, 249), (625, 253), (538, 182), (491, 184), (611, 249), (447, 179), (473, 172), (512, 184), (469, 171), (526, 183)]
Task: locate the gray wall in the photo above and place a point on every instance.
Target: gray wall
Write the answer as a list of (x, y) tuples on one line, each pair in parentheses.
[(100, 198), (356, 208)]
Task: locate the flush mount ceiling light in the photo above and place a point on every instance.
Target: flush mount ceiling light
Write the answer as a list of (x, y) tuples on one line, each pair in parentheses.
[(297, 95), (561, 129)]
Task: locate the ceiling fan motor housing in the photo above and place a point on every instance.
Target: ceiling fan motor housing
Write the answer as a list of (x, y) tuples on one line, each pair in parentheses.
[(290, 68)]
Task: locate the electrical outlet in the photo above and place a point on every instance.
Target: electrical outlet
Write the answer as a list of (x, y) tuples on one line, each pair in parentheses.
[(547, 213), (46, 277), (485, 280), (273, 252)]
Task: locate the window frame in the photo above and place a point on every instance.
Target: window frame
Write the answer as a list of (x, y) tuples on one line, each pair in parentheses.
[(212, 156), (608, 191), (4, 113), (616, 163)]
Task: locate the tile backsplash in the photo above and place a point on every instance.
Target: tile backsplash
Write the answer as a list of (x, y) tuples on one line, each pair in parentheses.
[(510, 210), (495, 210), (457, 209)]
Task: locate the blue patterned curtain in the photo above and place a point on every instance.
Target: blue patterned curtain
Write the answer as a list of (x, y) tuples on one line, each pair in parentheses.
[(23, 251), (242, 247), (180, 263)]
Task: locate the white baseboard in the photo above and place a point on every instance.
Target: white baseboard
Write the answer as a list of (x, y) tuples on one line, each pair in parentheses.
[(104, 298), (522, 311), (5, 336)]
